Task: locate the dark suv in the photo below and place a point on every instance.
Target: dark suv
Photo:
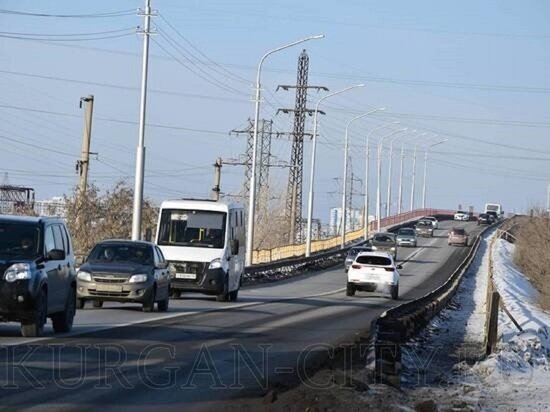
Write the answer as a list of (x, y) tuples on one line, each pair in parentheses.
[(37, 274)]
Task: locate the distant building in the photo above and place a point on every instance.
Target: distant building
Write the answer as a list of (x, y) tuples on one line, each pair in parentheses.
[(51, 207), (354, 220)]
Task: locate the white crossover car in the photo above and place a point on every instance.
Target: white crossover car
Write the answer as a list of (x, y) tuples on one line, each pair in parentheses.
[(374, 271), (462, 216)]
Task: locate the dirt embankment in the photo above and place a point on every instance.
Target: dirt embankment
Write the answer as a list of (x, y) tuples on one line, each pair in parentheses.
[(533, 253)]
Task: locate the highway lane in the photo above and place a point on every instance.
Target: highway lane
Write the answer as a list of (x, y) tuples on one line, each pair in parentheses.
[(273, 323)]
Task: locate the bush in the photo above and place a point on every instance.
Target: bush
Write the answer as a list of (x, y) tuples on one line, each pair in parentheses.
[(532, 253), (95, 216)]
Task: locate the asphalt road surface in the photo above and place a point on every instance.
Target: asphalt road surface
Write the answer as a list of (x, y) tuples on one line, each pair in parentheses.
[(203, 352)]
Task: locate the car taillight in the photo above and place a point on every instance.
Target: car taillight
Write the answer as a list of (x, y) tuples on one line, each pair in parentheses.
[(389, 269), (356, 266)]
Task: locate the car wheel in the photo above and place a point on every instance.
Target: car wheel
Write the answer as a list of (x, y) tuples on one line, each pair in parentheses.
[(149, 305), (224, 296), (350, 290), (97, 304), (394, 291), (80, 303), (62, 322), (163, 305), (174, 293), (233, 296), (35, 326)]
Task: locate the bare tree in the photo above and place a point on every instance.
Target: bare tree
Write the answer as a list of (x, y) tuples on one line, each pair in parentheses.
[(94, 216)]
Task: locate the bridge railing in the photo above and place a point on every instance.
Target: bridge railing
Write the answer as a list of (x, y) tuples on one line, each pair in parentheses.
[(323, 245)]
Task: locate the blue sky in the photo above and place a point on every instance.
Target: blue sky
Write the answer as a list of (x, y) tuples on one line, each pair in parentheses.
[(476, 73)]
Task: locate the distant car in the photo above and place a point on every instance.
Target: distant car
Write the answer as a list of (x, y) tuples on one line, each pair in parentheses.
[(352, 254), (373, 271), (434, 220), (485, 219), (385, 242), (424, 228), (462, 216), (406, 236), (124, 271), (458, 236), (37, 274)]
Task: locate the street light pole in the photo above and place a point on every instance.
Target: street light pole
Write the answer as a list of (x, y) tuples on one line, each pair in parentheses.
[(367, 157), (413, 180), (312, 165), (252, 190), (140, 155), (401, 170), (425, 170), (345, 183), (378, 194)]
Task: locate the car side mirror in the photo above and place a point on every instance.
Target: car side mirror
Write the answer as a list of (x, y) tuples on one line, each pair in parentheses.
[(235, 247), (56, 254), (161, 265), (399, 267)]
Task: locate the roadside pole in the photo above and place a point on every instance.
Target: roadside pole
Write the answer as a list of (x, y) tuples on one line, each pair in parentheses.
[(217, 179), (83, 165)]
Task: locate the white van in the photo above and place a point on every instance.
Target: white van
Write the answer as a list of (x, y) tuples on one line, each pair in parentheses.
[(204, 241)]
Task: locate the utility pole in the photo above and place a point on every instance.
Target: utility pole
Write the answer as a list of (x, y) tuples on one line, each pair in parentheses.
[(293, 210), (83, 165), (140, 155), (217, 179)]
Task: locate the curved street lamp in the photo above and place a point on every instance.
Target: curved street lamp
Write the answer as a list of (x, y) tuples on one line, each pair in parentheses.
[(252, 190), (312, 164), (345, 184)]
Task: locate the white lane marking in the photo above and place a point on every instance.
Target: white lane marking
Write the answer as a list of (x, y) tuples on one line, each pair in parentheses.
[(169, 316)]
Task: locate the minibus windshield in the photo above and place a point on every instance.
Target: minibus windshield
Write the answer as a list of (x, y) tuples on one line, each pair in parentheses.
[(195, 228)]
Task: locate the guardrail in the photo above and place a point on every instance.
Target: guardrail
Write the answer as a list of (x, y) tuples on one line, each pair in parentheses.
[(335, 255), (493, 297), (291, 251), (397, 325)]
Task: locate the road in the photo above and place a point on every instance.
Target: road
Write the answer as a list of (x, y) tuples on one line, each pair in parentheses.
[(203, 352)]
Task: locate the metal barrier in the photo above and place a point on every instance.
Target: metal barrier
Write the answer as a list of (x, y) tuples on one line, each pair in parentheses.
[(493, 297), (285, 252), (397, 325)]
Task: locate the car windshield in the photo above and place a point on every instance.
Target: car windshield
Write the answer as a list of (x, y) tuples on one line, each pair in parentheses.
[(373, 260), (381, 239), (424, 223), (406, 232), (197, 228), (462, 212), (459, 232), (19, 239), (121, 253), (483, 216)]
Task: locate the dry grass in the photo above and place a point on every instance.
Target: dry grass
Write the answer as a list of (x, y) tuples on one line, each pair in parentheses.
[(533, 254)]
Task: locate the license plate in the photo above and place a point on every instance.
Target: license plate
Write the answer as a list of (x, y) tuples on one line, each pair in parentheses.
[(186, 275), (108, 288)]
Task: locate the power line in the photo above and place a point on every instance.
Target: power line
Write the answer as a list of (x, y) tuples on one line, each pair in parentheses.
[(90, 15), (122, 87), (114, 36), (198, 71), (222, 71)]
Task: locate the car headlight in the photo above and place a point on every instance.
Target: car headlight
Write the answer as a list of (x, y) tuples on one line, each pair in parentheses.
[(374, 247), (18, 271), (215, 264), (138, 278), (85, 276), (393, 248)]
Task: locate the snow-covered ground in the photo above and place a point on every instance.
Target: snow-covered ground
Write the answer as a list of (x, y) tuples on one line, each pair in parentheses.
[(445, 362)]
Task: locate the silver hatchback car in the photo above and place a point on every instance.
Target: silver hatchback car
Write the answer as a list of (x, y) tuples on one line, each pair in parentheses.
[(406, 236)]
